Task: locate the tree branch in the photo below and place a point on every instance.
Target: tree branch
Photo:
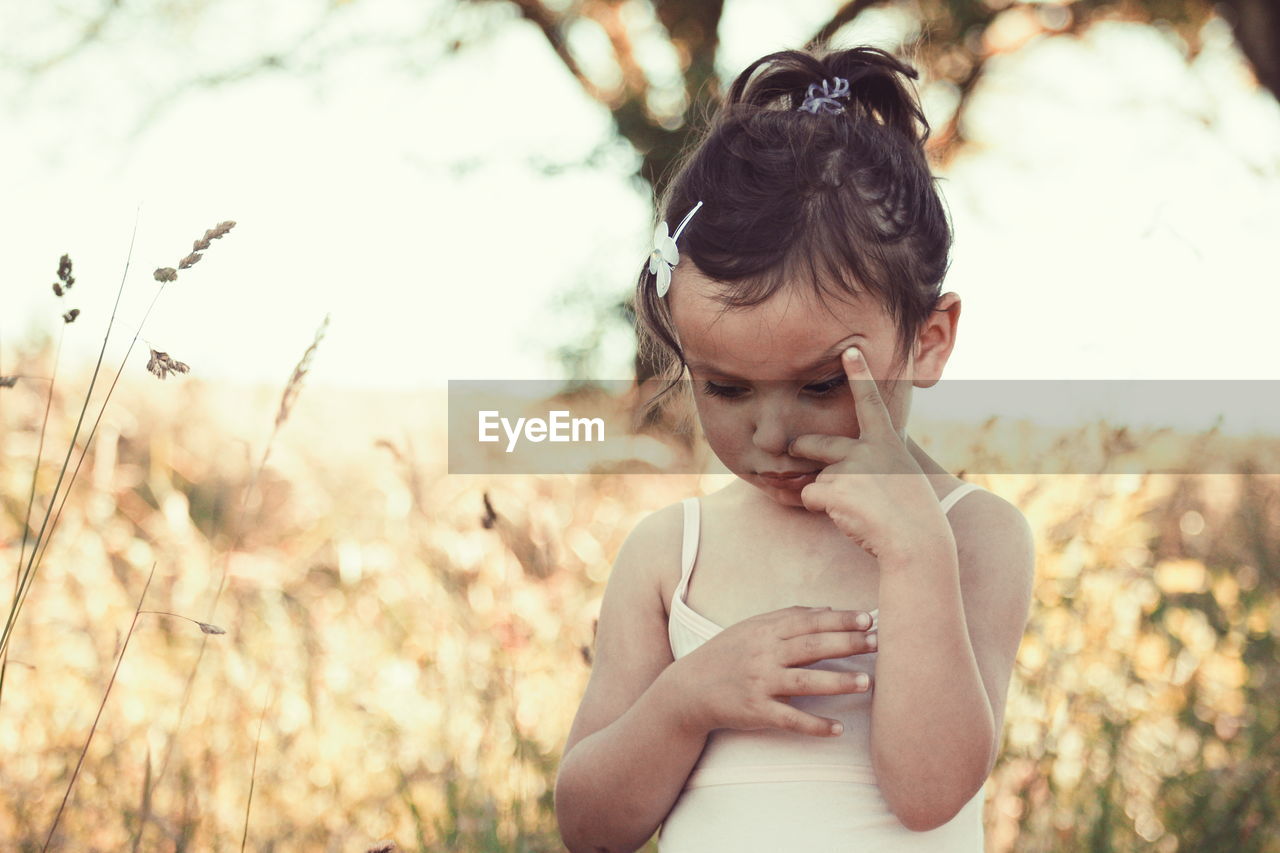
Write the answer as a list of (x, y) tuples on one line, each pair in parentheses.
[(844, 15), (1256, 24), (88, 36), (553, 29)]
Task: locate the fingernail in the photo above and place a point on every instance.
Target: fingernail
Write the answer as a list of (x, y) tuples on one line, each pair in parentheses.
[(836, 728), (861, 678), (862, 621), (852, 354), (872, 641)]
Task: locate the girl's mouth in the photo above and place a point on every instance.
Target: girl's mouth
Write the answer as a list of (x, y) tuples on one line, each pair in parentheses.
[(793, 481)]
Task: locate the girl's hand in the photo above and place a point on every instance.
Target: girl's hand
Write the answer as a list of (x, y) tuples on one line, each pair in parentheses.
[(882, 514), (739, 679)]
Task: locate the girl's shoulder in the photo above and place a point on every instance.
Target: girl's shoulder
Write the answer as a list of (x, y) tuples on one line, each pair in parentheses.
[(993, 537), (975, 505), (653, 548), (657, 534), (657, 540)]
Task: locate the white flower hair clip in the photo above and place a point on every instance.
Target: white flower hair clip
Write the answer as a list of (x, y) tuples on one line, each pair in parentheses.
[(665, 255), (826, 99)]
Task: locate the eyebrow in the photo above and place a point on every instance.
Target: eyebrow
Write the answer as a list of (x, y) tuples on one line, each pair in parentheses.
[(830, 355)]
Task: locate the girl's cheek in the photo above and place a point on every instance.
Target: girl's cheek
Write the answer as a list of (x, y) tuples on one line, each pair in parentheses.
[(718, 423), (846, 425), (842, 420), (726, 431)]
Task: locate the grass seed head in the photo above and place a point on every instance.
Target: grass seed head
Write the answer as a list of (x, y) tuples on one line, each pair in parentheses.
[(171, 274), (294, 387), (8, 381), (213, 233), (64, 272), (210, 629), (70, 316), (162, 365)]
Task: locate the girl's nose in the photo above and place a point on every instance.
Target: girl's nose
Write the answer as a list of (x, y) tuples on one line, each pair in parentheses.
[(771, 433)]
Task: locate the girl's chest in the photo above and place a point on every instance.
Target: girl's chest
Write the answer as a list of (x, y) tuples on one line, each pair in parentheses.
[(743, 570)]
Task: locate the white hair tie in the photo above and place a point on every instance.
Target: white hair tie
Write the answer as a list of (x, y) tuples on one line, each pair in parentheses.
[(825, 100)]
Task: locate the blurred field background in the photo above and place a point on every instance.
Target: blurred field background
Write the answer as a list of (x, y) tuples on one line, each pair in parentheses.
[(467, 189), (414, 645)]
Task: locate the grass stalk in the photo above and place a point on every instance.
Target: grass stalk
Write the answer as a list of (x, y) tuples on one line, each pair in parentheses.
[(253, 773), (83, 752), (34, 563), (85, 450), (205, 627), (144, 810), (24, 582), (287, 399), (31, 498)]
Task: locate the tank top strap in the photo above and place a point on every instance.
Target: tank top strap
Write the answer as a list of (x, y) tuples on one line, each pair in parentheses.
[(689, 546), (956, 494)]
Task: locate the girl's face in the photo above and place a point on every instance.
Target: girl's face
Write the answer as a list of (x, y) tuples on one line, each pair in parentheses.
[(766, 374)]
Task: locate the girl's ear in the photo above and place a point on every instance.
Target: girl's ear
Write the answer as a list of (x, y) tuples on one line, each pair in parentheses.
[(936, 340)]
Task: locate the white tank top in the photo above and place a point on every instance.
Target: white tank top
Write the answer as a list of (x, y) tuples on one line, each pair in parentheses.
[(777, 790)]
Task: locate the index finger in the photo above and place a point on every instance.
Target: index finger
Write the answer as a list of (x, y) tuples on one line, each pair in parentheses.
[(812, 621), (868, 405)]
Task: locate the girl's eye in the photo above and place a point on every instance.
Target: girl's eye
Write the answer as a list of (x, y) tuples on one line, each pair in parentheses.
[(731, 392), (822, 389)]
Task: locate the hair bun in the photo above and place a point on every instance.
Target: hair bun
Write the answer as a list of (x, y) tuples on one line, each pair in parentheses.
[(878, 81), (826, 99), (875, 87)]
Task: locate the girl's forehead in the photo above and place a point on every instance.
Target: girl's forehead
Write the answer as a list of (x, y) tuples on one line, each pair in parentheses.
[(788, 331)]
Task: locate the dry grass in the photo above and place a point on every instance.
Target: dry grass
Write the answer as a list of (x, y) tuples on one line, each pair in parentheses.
[(427, 675), (425, 639), (412, 654)]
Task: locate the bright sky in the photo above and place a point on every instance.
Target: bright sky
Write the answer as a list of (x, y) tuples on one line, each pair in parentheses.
[(1115, 217)]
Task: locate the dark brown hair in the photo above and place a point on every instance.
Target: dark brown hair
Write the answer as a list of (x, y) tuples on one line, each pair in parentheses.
[(846, 199)]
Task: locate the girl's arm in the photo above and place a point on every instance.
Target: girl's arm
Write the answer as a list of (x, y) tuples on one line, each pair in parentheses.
[(951, 621), (617, 785), (630, 750)]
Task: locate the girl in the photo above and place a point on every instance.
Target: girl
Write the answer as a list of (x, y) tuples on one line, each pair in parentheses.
[(745, 706)]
